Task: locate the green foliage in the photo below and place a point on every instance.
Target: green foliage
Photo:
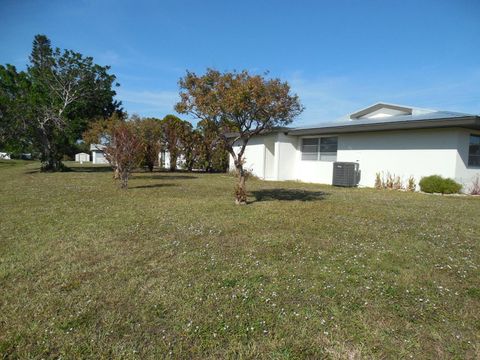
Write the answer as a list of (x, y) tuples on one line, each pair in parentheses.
[(49, 106), (150, 133), (438, 184), (173, 132)]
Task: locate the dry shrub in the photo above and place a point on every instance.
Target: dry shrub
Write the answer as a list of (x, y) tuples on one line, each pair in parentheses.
[(475, 187)]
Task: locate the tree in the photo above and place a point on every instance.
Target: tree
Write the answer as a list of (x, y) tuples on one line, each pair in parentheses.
[(190, 142), (14, 87), (56, 98), (125, 150), (101, 132), (212, 155), (246, 104), (150, 132), (173, 130)]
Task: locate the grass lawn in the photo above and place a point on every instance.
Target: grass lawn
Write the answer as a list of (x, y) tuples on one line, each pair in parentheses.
[(172, 268)]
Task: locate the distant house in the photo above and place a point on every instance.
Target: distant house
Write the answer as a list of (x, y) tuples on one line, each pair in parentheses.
[(4, 156), (382, 138), (98, 156), (82, 157), (164, 160)]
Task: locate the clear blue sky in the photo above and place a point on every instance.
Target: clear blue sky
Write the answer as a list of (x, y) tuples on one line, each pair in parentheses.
[(337, 55)]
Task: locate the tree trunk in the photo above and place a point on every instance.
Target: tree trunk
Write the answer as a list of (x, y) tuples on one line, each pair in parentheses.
[(124, 179), (50, 161), (240, 188), (173, 162)]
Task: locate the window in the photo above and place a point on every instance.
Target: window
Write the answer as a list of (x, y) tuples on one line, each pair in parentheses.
[(324, 148), (474, 151), (310, 149), (328, 148)]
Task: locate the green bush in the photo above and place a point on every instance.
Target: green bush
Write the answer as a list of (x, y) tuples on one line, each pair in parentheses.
[(438, 184)]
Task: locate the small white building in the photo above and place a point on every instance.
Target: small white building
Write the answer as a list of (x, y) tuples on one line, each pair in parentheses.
[(5, 156), (164, 160), (82, 157), (98, 155), (383, 138)]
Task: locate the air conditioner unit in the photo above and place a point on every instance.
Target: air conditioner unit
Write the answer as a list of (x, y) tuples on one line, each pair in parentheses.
[(345, 174)]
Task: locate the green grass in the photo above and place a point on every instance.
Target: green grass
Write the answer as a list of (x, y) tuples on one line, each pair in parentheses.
[(172, 268)]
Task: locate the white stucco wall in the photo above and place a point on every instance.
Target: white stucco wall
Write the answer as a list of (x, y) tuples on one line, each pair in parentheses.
[(286, 157), (254, 156), (465, 174), (414, 153), (404, 153), (98, 157), (315, 171)]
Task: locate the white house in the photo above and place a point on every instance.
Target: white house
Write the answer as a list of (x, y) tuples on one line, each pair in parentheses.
[(82, 157), (164, 160), (383, 138), (98, 157), (4, 156)]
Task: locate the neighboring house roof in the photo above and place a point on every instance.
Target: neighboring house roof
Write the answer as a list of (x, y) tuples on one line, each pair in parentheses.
[(97, 147)]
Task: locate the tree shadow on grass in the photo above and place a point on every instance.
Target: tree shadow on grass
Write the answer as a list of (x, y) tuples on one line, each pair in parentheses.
[(106, 168), (151, 186), (288, 195), (165, 177)]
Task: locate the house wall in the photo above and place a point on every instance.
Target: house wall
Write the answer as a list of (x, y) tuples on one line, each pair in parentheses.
[(270, 157), (254, 156), (404, 153), (315, 171), (414, 153), (465, 174), (98, 157), (286, 157)]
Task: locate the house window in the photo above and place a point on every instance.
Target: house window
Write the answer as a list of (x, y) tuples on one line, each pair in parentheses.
[(323, 149), (309, 149), (474, 151), (328, 148)]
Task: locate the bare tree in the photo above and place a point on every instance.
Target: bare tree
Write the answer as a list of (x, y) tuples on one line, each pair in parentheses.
[(124, 151)]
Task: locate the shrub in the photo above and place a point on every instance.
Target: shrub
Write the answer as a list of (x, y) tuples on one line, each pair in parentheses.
[(475, 187), (388, 181), (411, 185), (438, 184), (378, 181)]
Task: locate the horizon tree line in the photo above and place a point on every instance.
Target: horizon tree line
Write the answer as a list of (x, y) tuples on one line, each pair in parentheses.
[(63, 97)]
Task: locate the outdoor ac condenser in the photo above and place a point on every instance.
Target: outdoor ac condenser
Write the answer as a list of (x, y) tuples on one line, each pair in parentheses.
[(345, 174)]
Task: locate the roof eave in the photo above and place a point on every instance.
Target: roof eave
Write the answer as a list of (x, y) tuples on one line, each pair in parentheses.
[(470, 122)]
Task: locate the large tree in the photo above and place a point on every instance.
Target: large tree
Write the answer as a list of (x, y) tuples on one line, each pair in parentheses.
[(173, 130), (58, 95), (212, 155), (241, 105), (14, 89), (150, 132)]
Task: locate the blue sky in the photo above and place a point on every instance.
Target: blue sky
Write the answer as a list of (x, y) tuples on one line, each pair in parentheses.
[(337, 55)]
